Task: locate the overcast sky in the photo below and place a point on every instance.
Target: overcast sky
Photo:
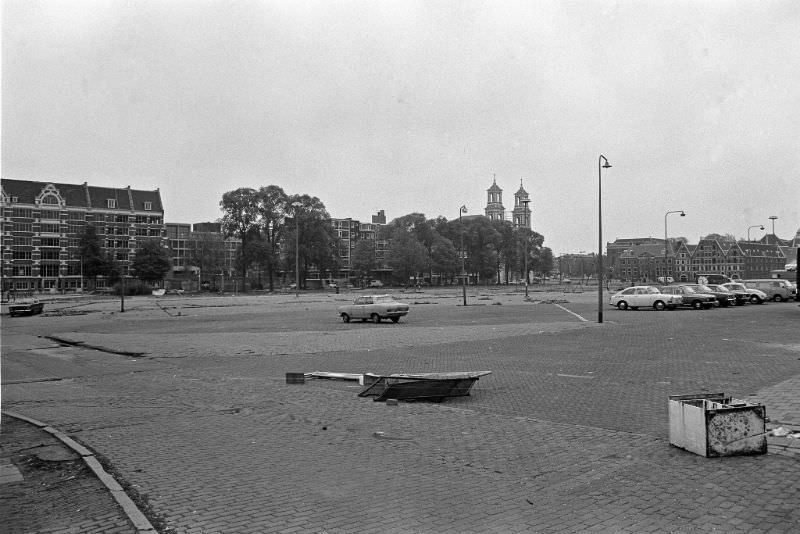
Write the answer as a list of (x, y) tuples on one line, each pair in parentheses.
[(415, 106)]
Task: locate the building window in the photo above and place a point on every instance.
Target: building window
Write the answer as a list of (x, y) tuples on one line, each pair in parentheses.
[(111, 203), (50, 228), (148, 206), (21, 255), (23, 227), (50, 242), (51, 254), (48, 270), (23, 241), (22, 212)]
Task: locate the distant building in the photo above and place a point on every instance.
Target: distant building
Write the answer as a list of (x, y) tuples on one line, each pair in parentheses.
[(42, 223), (520, 215)]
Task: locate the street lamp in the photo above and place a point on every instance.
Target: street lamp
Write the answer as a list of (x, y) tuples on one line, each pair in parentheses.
[(666, 264), (462, 209), (772, 218), (759, 226), (602, 163), (525, 202), (297, 206)]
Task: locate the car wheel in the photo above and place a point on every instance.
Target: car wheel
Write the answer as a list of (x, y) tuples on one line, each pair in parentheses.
[(622, 305), (777, 298), (659, 305), (345, 318), (754, 299), (375, 318), (697, 305), (395, 319)]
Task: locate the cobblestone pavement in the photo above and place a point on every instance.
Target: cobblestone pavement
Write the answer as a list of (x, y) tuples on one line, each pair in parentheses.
[(568, 433), (46, 487)]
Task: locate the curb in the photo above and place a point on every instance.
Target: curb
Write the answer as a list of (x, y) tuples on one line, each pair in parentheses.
[(135, 516)]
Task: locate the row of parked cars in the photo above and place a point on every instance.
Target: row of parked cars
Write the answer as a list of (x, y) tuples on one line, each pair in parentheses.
[(704, 296)]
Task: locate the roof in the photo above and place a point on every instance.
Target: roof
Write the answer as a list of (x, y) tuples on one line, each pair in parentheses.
[(84, 195)]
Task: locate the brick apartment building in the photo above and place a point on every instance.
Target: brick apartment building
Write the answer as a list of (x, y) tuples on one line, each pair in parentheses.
[(42, 223)]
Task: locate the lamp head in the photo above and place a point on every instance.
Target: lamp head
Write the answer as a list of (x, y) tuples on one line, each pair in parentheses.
[(606, 165), (762, 227), (683, 214)]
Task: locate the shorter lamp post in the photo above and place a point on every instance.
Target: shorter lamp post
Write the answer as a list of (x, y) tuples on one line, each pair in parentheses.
[(462, 209), (759, 226), (666, 261), (297, 206)]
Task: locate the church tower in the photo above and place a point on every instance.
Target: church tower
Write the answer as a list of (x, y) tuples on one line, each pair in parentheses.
[(494, 202), (522, 210)]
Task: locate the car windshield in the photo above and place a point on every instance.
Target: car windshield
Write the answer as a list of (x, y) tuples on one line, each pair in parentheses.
[(704, 288), (739, 287), (384, 298), (689, 289)]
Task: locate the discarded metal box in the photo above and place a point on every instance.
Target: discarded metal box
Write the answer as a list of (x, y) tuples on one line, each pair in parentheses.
[(711, 425), (420, 386)]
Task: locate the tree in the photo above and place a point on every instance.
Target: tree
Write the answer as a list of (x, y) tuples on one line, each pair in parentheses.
[(363, 260), (207, 252), (316, 238), (239, 217), (151, 262), (444, 257), (272, 206), (406, 256), (93, 260)]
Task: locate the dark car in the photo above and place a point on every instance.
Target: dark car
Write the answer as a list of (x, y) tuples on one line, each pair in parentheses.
[(739, 297), (691, 298), (724, 297), (26, 307)]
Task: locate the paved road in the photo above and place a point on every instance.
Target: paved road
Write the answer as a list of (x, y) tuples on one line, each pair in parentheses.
[(568, 433)]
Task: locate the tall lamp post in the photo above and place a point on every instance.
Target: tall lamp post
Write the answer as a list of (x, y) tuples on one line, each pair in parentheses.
[(462, 209), (772, 218), (759, 226), (602, 163), (666, 261), (297, 206), (525, 202)]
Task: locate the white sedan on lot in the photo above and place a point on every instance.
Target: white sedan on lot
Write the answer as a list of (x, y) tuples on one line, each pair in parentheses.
[(643, 296), (374, 308)]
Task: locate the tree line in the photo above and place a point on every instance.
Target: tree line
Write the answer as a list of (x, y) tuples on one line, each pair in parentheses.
[(276, 229)]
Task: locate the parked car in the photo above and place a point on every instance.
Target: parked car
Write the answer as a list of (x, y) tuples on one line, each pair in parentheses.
[(776, 289), (724, 297), (690, 297), (376, 283), (26, 307), (637, 296), (739, 297), (753, 296), (374, 308)]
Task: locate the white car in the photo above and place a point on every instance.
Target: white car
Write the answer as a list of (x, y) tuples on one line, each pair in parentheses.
[(643, 296), (374, 308)]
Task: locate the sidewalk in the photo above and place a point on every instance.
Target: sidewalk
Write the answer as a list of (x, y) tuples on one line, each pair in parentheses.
[(46, 486)]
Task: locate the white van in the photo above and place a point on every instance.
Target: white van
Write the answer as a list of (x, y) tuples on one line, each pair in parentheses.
[(776, 289)]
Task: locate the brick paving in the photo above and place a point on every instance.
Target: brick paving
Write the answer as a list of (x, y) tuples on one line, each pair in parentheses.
[(568, 434)]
